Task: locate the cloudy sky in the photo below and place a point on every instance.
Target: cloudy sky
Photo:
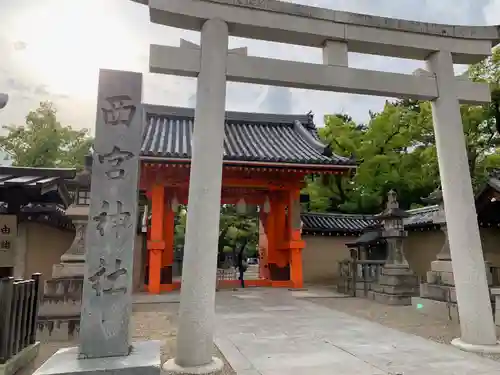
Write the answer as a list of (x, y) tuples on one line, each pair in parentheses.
[(52, 50)]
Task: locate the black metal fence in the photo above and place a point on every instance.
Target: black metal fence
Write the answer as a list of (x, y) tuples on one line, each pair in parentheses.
[(19, 302)]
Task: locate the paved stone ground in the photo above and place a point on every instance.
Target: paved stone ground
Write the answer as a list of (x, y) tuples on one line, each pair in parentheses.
[(402, 318), (275, 332), (278, 332), (149, 322)]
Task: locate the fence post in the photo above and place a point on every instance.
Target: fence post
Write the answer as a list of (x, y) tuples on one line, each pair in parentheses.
[(37, 277), (13, 325), (31, 311), (25, 312), (6, 294), (354, 271)]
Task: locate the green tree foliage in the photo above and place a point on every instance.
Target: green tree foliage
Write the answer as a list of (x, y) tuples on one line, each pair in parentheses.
[(44, 142), (396, 150), (236, 231)]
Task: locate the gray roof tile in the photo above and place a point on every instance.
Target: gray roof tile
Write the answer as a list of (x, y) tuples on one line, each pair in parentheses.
[(248, 137), (349, 223), (421, 216), (336, 222)]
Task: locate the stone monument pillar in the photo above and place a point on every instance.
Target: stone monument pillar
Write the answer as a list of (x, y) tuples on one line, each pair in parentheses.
[(476, 318), (397, 283), (199, 270), (105, 345)]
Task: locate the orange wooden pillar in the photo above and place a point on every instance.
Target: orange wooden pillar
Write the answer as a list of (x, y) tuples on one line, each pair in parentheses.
[(277, 257), (295, 243), (263, 244), (156, 243), (168, 252)]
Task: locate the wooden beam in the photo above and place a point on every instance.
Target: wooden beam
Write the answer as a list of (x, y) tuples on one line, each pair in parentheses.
[(265, 71)]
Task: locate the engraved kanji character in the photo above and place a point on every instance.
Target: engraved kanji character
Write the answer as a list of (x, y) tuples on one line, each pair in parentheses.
[(5, 244), (104, 282), (120, 110), (115, 158), (118, 219), (5, 229)]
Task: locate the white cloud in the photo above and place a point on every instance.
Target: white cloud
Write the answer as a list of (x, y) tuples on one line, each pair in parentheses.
[(492, 12), (58, 56)]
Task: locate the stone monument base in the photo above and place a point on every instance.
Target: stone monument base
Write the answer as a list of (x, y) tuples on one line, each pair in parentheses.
[(143, 360), (213, 368), (395, 286)]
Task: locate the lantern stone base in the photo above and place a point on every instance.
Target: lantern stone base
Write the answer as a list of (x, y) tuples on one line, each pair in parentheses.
[(61, 304), (59, 313), (395, 286)]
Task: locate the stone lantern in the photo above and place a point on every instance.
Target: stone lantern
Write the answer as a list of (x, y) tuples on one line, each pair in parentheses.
[(396, 284), (73, 260), (394, 232), (59, 314)]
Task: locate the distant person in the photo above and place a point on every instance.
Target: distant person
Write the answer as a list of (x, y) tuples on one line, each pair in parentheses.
[(242, 265)]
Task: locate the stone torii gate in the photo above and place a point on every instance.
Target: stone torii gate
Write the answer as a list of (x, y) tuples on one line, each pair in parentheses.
[(336, 33)]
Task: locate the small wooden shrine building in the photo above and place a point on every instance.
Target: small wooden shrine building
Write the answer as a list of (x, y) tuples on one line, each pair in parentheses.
[(31, 200), (266, 158)]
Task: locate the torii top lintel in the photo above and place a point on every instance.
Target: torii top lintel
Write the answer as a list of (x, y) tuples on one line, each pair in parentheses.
[(312, 26)]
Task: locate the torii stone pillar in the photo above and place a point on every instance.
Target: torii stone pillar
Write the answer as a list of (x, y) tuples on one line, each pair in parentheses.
[(199, 270), (476, 319)]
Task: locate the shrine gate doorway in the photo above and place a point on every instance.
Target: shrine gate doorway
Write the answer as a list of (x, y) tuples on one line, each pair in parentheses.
[(267, 158)]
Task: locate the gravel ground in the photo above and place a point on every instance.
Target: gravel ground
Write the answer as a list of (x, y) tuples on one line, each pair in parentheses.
[(149, 322), (402, 318)]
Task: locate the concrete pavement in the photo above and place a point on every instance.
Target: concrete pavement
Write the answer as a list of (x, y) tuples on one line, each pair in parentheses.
[(278, 332)]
